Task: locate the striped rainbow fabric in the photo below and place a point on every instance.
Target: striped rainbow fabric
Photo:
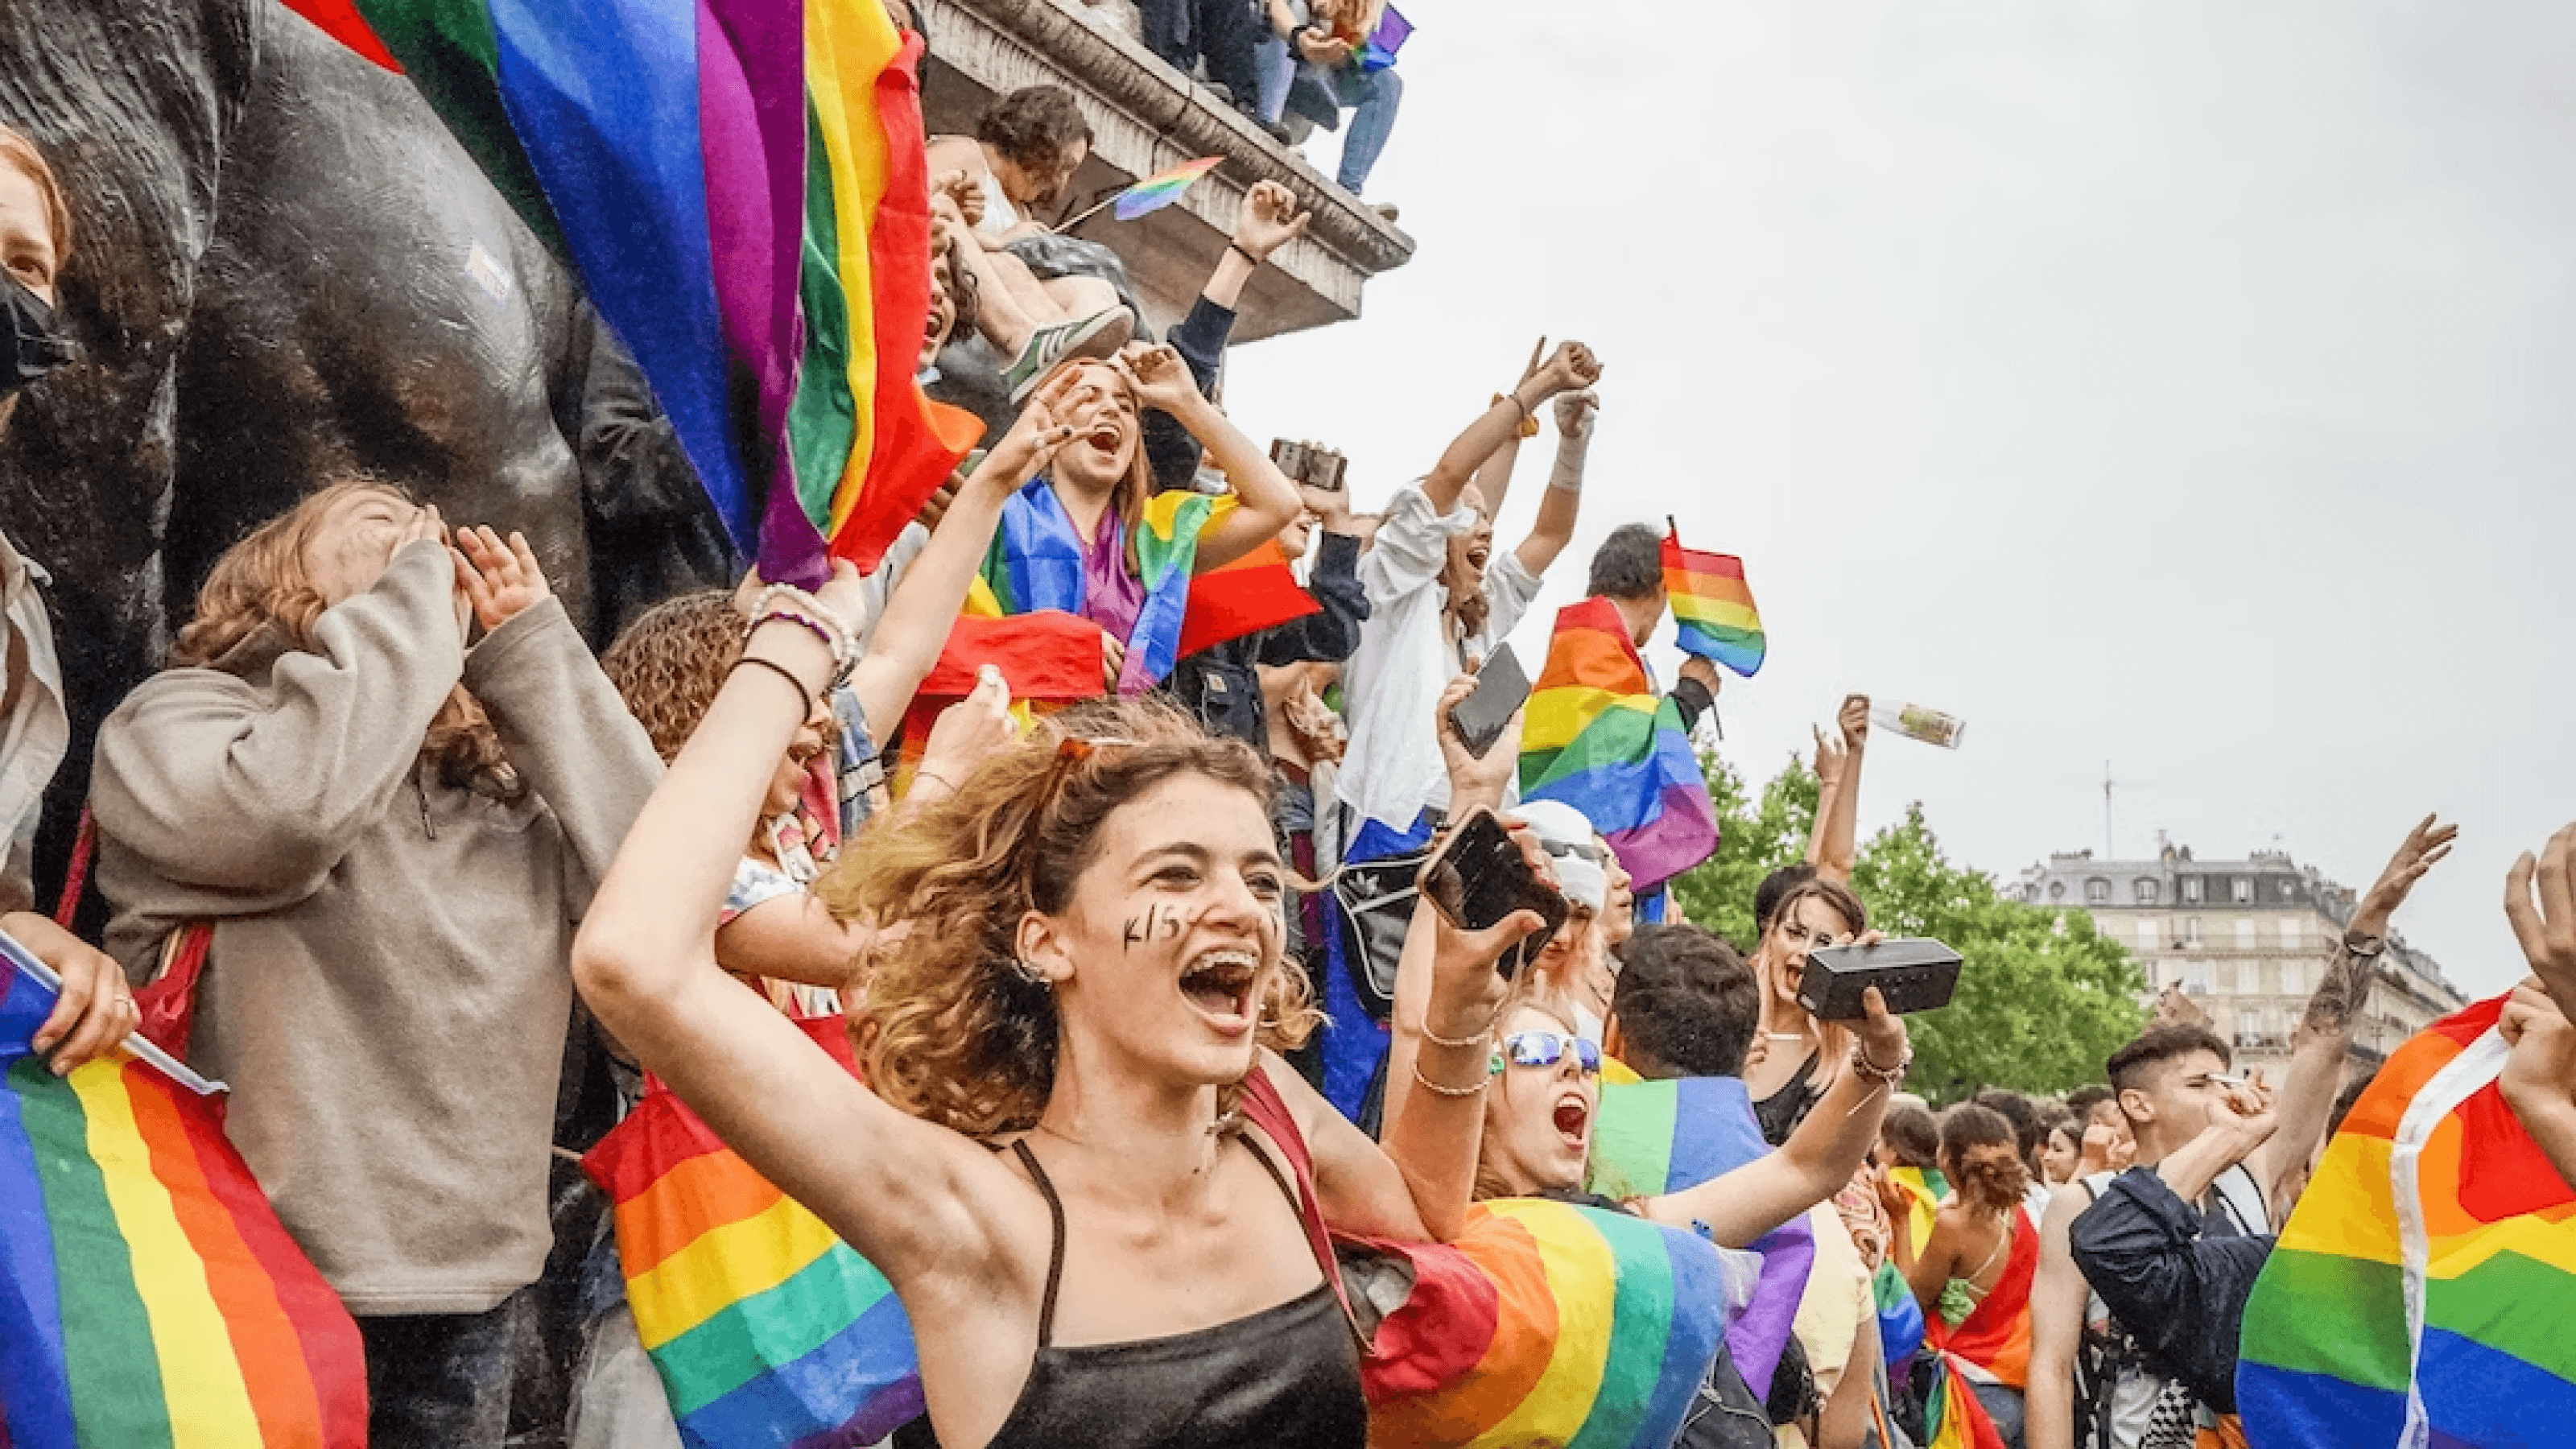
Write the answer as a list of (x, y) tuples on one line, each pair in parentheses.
[(1651, 1138), (2420, 1293), (765, 1327), (1035, 563), (1713, 607), (149, 1297), (1597, 737), (662, 148), (1588, 1328)]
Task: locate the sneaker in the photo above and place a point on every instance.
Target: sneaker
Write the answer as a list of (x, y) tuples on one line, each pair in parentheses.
[(1099, 335)]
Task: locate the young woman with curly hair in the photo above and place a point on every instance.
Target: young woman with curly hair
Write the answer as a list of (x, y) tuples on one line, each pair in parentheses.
[(1081, 1163), (392, 834)]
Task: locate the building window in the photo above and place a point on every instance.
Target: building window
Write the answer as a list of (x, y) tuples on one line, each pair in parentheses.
[(2291, 935), (2191, 889), (2057, 890), (2150, 933), (2289, 889), (2191, 931), (2195, 977), (2097, 892), (2146, 892), (2242, 889), (2294, 978), (2245, 935)]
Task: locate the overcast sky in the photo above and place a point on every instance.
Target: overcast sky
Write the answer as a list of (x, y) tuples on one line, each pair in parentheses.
[(2185, 385)]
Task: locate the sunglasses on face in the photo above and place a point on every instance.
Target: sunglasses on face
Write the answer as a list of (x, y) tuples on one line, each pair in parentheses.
[(1546, 1049)]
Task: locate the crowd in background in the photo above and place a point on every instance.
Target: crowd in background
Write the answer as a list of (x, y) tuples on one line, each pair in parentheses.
[(460, 885)]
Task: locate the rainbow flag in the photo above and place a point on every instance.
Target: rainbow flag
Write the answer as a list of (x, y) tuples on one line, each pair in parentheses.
[(1255, 592), (1651, 1138), (1713, 607), (868, 447), (1548, 1324), (2419, 1294), (1036, 563), (765, 1327), (746, 234), (1597, 737), (1161, 189), (149, 1298)]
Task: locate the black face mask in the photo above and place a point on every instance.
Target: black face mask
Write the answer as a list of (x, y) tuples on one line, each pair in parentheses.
[(37, 344)]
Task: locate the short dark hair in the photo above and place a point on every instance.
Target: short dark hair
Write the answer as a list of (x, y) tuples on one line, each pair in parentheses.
[(1915, 1135), (1766, 896), (2157, 1045), (2083, 1100), (1629, 564), (2029, 1129), (1034, 125), (1686, 1004)]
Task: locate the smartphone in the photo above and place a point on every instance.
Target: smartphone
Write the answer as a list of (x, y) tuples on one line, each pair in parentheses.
[(1478, 877), (1914, 973), (1501, 688)]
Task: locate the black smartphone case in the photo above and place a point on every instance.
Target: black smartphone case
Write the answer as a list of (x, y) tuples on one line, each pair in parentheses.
[(1912, 973)]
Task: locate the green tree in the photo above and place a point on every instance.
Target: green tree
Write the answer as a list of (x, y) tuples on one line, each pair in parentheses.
[(2043, 998)]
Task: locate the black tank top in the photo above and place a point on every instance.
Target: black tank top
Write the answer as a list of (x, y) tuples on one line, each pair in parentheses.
[(1286, 1376), (1780, 1113)]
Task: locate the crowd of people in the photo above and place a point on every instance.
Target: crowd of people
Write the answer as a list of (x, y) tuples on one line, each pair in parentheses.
[(1145, 1011)]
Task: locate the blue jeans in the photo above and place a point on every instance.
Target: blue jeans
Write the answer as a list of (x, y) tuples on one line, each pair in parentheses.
[(1372, 97)]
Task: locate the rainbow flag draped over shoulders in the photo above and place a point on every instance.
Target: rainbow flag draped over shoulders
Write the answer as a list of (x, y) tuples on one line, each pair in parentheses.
[(1651, 1138), (149, 1297), (1713, 607), (765, 1327), (1569, 1326), (1597, 737), (2420, 1293), (1036, 562)]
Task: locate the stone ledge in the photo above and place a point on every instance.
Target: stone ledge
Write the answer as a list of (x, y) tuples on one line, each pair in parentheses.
[(1145, 117)]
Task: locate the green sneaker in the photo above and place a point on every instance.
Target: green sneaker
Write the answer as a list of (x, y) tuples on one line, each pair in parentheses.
[(1099, 335)]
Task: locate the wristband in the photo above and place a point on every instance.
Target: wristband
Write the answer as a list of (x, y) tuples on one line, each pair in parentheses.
[(804, 697), (1481, 1079), (1529, 420), (1257, 262)]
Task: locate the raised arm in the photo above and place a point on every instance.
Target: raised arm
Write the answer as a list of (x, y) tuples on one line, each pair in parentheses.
[(916, 1199), (1448, 998), (2540, 1076), (1819, 1157), (1562, 503), (2056, 1326), (1568, 368), (924, 604), (2324, 1034), (1264, 498), (1838, 830)]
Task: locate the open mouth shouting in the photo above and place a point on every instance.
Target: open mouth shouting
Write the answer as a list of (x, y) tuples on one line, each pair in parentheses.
[(1219, 986), (1573, 1119)]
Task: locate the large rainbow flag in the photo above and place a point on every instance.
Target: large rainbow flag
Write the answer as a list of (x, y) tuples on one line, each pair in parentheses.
[(1036, 562), (149, 1298), (1651, 1138), (661, 147), (1713, 607), (1597, 737), (765, 1327), (1547, 1324), (2420, 1293)]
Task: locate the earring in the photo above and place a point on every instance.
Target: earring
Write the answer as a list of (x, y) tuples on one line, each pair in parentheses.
[(1021, 966)]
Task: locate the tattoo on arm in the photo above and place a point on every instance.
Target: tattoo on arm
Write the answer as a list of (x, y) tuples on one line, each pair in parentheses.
[(2339, 996)]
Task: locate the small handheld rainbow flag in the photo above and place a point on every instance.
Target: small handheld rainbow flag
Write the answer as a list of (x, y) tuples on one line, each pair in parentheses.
[(1712, 606), (1597, 737), (1651, 1138), (149, 1297), (2420, 1293), (1161, 189), (765, 1327)]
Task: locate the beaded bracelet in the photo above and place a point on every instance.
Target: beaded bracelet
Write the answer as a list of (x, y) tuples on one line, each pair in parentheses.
[(786, 601), (1440, 1090), (1477, 1040), (1892, 1076)]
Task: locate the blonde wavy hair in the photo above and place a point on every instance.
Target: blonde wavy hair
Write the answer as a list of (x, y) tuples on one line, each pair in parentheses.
[(261, 583), (953, 1032)]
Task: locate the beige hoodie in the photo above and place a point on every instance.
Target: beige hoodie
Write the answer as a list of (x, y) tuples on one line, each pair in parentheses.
[(388, 989)]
